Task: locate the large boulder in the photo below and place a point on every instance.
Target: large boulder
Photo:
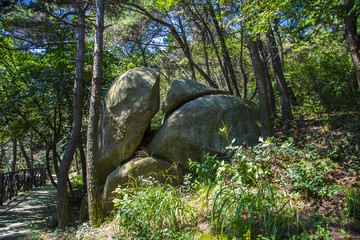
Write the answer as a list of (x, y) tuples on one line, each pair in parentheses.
[(130, 103), (183, 90), (137, 167), (194, 129)]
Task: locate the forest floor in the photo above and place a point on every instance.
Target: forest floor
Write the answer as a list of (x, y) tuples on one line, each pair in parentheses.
[(27, 213), (334, 138)]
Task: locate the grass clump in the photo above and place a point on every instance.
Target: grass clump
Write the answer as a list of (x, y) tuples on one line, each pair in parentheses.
[(147, 209)]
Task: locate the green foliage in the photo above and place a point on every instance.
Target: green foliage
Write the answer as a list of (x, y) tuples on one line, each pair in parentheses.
[(326, 74), (245, 198), (157, 120), (352, 203), (149, 210), (241, 209), (208, 170), (224, 131), (251, 164), (344, 148), (311, 177)]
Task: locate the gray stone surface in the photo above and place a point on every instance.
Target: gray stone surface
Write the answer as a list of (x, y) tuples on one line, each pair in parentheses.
[(193, 130), (183, 90), (149, 166), (130, 103)]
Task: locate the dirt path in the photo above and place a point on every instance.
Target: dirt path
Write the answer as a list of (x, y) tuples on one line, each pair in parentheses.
[(29, 211)]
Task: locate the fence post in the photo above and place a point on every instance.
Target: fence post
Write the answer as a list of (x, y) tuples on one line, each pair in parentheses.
[(2, 188), (10, 185)]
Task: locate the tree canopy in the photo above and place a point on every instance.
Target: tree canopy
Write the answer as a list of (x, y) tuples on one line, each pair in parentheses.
[(282, 55)]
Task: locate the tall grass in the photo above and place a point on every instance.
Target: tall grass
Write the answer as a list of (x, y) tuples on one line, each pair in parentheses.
[(253, 210), (146, 209)]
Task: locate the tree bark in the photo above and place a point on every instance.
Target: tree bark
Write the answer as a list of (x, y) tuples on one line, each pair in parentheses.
[(266, 122), (2, 156), (48, 168), (206, 56), (279, 43), (23, 151), (83, 162), (242, 62), (267, 76), (351, 38), (187, 47), (13, 166), (13, 163), (94, 196), (63, 208), (223, 68), (280, 79), (224, 51)]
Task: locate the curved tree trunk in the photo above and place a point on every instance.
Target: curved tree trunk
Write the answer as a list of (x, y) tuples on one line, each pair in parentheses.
[(63, 208)]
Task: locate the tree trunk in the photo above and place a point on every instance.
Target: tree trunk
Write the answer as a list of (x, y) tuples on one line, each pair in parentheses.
[(266, 122), (351, 38), (55, 157), (267, 76), (48, 168), (187, 47), (83, 162), (27, 159), (224, 50), (279, 43), (94, 196), (13, 164), (2, 156), (223, 68), (280, 79), (63, 208), (206, 56), (242, 62)]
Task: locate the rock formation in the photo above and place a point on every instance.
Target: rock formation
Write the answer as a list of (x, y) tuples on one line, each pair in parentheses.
[(132, 100), (192, 130), (194, 116), (149, 166)]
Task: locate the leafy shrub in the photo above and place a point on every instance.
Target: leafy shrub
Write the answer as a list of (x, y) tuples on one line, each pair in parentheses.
[(311, 177), (352, 203), (208, 170), (327, 77)]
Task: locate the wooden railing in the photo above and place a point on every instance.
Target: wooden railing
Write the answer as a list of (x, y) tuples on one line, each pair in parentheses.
[(19, 181)]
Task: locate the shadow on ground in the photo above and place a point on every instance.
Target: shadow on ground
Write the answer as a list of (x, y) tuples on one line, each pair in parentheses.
[(26, 213)]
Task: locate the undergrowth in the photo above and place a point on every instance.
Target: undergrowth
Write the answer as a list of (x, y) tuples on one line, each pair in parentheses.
[(282, 188)]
